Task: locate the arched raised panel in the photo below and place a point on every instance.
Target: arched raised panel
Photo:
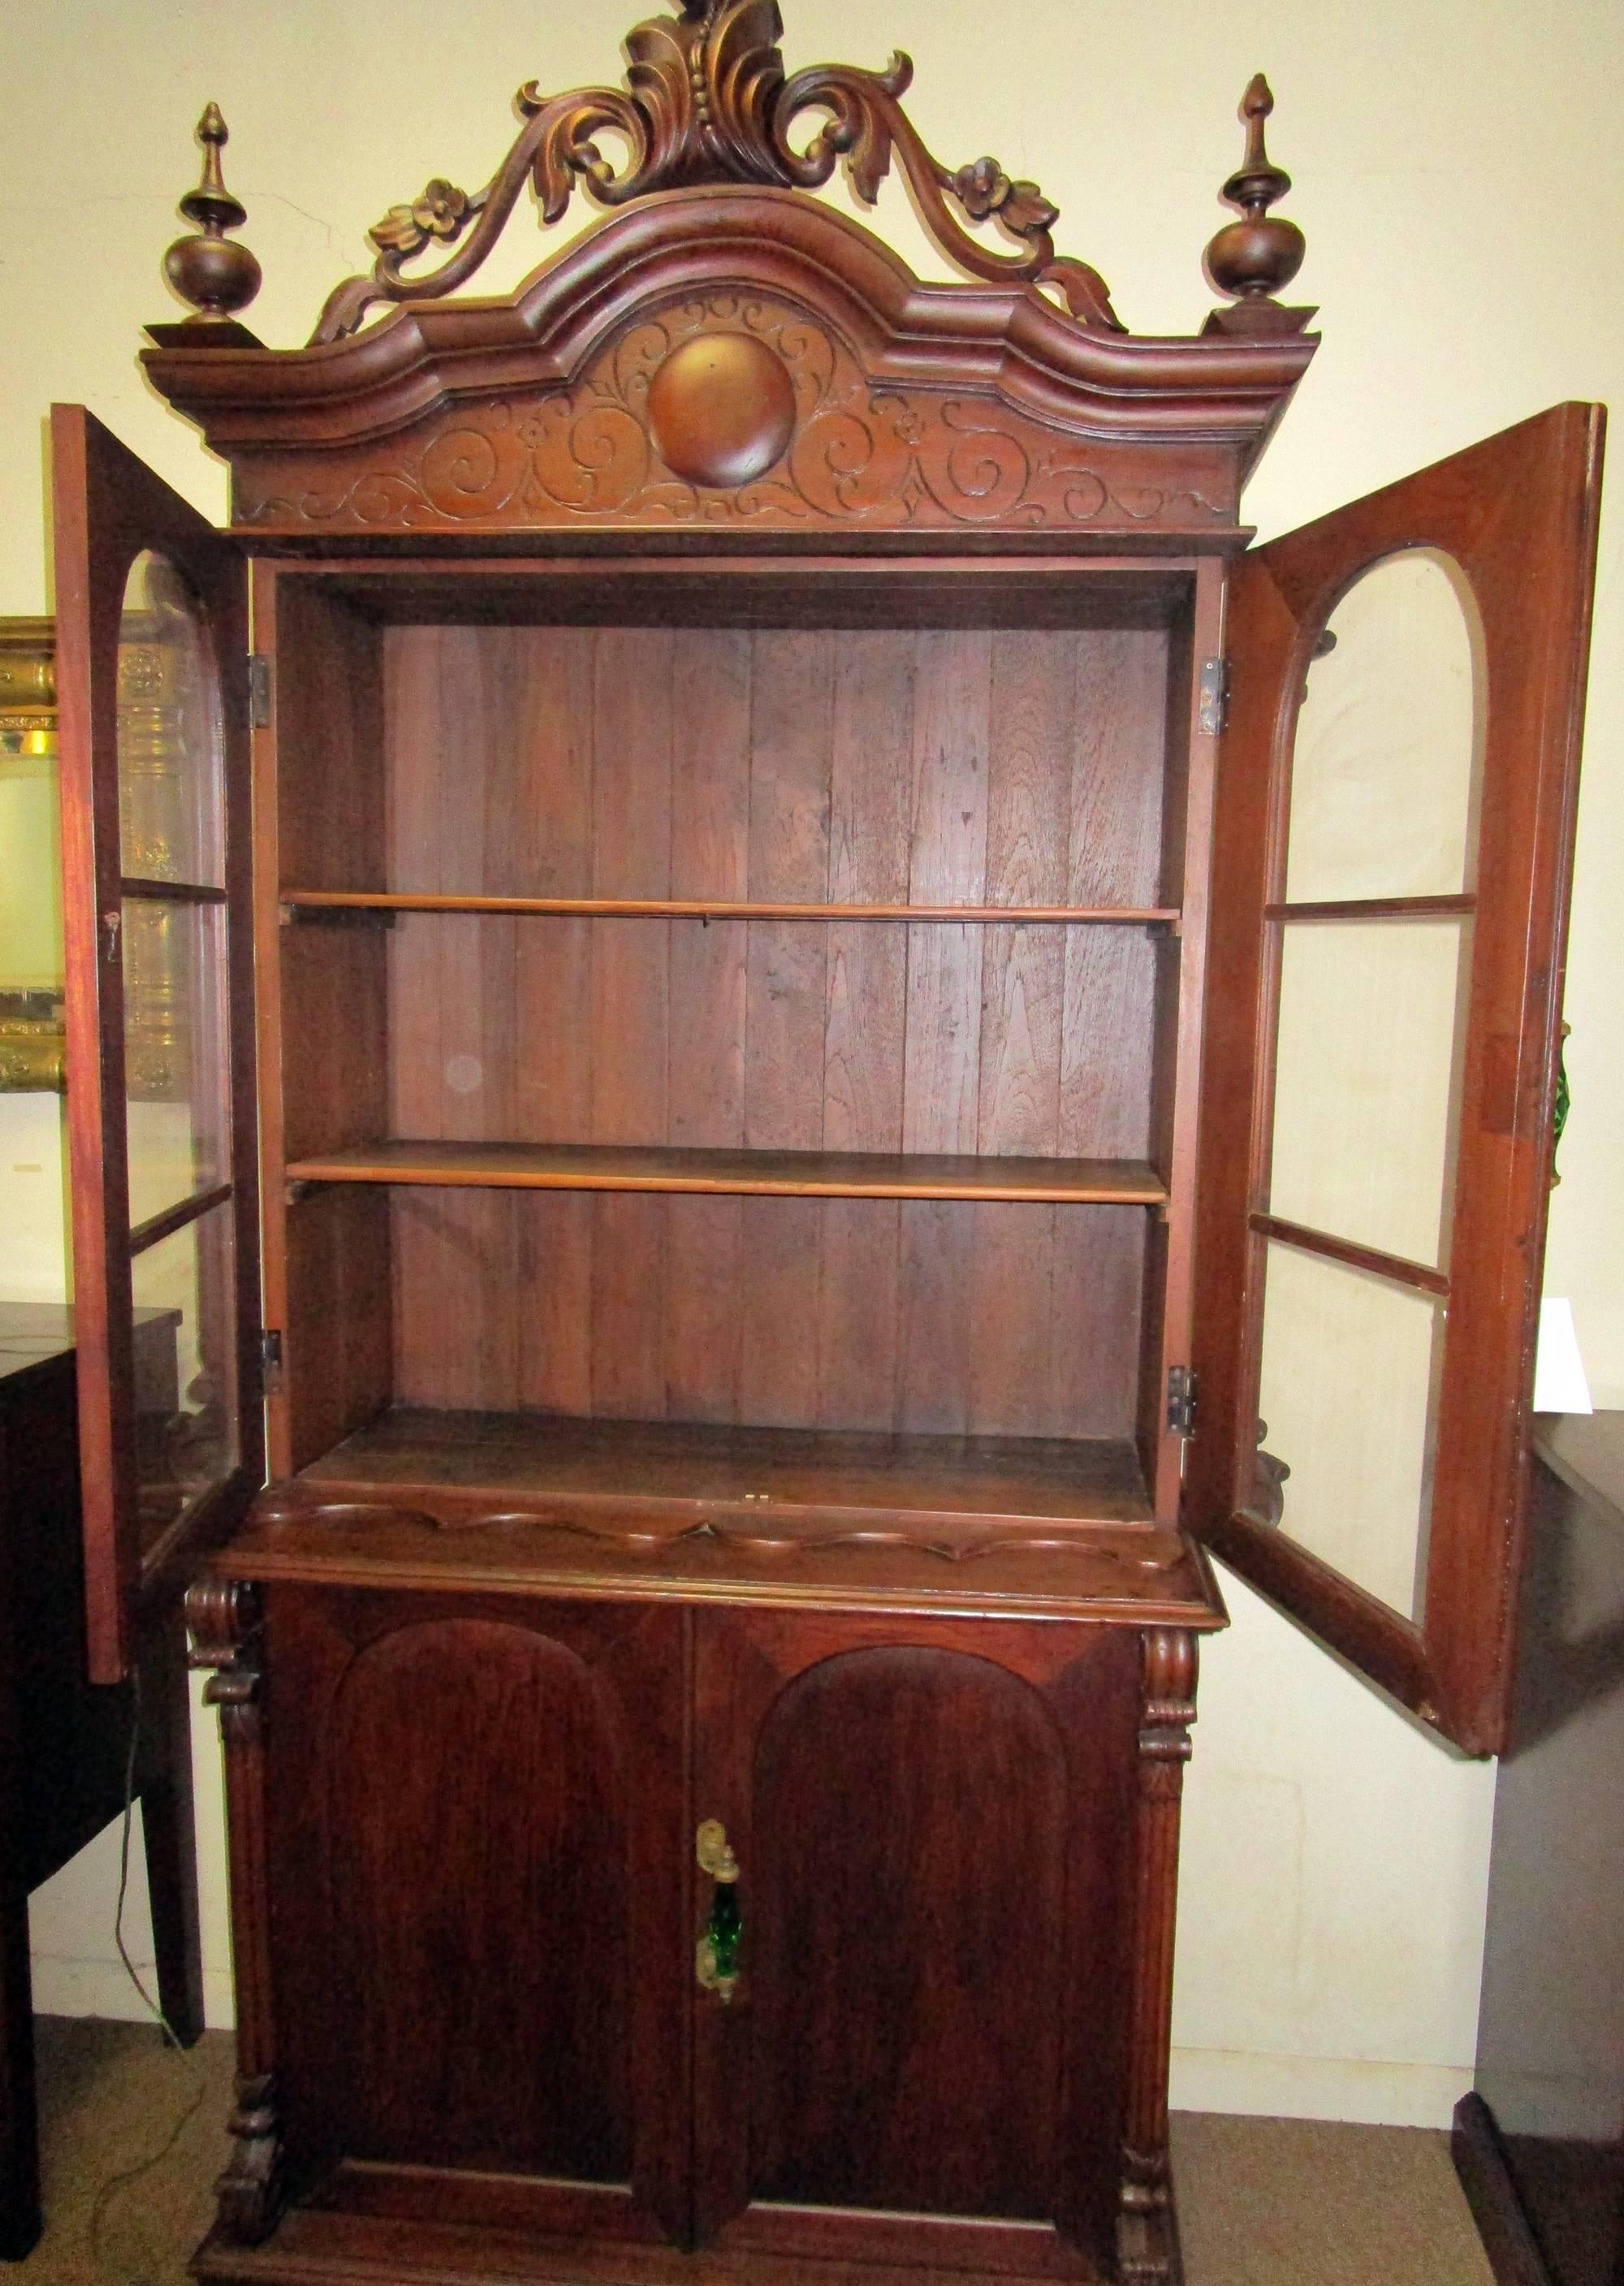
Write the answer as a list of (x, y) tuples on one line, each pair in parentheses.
[(906, 1908), (478, 1881)]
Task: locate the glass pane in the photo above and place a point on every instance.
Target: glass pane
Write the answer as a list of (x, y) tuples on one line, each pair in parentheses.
[(186, 1368), (176, 1067), (1348, 1405), (170, 757), (1387, 758), (1368, 1064)]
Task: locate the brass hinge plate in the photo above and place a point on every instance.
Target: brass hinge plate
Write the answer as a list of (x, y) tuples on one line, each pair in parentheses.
[(1181, 1393), (259, 691), (1212, 710)]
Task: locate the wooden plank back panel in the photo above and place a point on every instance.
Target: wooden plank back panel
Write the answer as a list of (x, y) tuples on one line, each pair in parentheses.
[(1031, 724), (492, 1042), (333, 1019), (500, 777), (329, 711), (710, 842), (537, 1326), (324, 1051), (631, 845), (871, 747), (1007, 765), (1054, 1054), (786, 993), (438, 1054), (340, 1364), (942, 1039)]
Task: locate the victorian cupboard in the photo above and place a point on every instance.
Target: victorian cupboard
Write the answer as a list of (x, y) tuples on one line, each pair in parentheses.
[(786, 986)]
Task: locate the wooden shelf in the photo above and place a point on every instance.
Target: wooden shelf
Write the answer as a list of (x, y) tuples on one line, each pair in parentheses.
[(678, 1472), (297, 901), (760, 1174)]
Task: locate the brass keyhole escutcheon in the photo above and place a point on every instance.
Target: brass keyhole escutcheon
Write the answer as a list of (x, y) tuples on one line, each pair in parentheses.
[(716, 1954)]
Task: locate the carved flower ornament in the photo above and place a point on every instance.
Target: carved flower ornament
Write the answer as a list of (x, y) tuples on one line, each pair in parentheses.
[(706, 100), (983, 189), (437, 211)]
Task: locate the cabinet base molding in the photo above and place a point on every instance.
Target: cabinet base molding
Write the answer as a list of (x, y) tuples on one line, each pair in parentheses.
[(313, 2247)]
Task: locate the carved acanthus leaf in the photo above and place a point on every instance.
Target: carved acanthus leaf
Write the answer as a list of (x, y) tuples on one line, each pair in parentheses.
[(706, 100)]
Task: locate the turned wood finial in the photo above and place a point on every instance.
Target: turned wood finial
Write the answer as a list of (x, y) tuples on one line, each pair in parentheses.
[(1251, 259), (213, 272)]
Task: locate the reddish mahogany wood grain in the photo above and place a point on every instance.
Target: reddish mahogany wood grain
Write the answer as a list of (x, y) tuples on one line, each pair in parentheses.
[(842, 1757), (508, 751), (785, 1174), (1518, 515), (108, 509), (1099, 431), (477, 1838), (715, 909)]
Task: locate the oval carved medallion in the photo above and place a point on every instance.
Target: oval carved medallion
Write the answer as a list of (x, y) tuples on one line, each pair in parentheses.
[(721, 409)]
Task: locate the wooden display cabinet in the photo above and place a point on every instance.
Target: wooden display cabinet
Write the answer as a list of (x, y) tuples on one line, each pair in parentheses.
[(769, 1039)]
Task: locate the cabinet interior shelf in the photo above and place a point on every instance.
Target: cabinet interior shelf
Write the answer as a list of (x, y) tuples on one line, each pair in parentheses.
[(299, 903), (680, 1471), (761, 1174)]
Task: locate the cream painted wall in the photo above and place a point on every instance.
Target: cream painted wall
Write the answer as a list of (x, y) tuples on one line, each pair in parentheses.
[(1460, 183)]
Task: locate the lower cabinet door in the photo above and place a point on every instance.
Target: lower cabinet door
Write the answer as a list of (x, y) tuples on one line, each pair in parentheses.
[(479, 1900), (923, 2055)]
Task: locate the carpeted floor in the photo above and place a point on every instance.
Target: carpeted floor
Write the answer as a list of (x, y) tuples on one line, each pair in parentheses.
[(1262, 2201)]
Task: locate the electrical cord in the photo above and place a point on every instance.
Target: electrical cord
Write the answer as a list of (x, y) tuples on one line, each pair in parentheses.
[(115, 2183)]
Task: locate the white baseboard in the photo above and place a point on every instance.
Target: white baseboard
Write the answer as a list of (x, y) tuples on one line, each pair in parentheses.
[(1203, 2080), (100, 1987), (1317, 2087)]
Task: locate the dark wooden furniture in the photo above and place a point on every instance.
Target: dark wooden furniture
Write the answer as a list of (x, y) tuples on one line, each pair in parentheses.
[(64, 1741), (754, 1161), (1540, 2142)]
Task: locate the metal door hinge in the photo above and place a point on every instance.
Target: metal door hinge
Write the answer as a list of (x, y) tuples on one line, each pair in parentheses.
[(259, 691), (1181, 1390), (1213, 711), (270, 1361)]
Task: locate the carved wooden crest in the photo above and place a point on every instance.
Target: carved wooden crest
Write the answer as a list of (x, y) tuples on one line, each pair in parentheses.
[(708, 100), (726, 350)]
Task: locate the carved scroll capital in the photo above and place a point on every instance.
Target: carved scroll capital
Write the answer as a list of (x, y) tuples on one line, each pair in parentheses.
[(706, 100), (225, 1622), (1168, 1709)]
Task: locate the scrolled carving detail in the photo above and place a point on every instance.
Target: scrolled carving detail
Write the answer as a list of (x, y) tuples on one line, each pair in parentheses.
[(858, 453), (752, 1537), (867, 123), (438, 211), (225, 1620), (706, 100), (1169, 1705)]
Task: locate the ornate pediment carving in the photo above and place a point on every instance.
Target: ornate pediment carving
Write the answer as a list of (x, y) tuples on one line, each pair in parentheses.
[(706, 101), (627, 443)]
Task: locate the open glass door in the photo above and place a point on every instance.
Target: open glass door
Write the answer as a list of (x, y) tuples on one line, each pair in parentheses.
[(152, 647), (1392, 854)]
